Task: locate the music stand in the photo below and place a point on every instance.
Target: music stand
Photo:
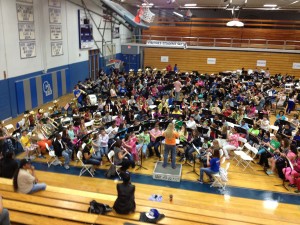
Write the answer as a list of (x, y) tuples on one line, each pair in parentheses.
[(194, 164), (253, 138), (218, 123), (231, 120), (249, 121), (216, 131), (241, 130), (160, 139), (202, 130), (140, 167)]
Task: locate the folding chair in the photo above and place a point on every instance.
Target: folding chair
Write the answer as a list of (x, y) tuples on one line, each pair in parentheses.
[(85, 167), (221, 178), (238, 151), (110, 157), (246, 159), (9, 127), (53, 160)]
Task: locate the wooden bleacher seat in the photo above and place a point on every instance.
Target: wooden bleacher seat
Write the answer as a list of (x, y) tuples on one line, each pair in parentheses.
[(66, 204)]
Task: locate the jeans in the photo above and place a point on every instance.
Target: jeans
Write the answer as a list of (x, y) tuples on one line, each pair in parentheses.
[(177, 95), (97, 155), (104, 150), (208, 172), (155, 145), (4, 217), (92, 161), (38, 187), (172, 149), (144, 149), (67, 154)]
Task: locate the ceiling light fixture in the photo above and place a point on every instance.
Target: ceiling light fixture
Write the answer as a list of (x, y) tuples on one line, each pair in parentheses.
[(190, 5), (235, 23), (270, 5), (178, 14)]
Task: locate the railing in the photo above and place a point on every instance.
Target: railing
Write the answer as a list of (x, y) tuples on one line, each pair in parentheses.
[(221, 42)]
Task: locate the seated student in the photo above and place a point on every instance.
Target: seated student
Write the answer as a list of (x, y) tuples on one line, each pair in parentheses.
[(28, 146), (286, 130), (25, 180), (264, 143), (143, 140), (61, 149), (231, 143), (289, 173), (295, 122), (8, 165), (129, 143), (125, 203), (213, 161), (191, 123), (176, 111), (297, 136), (4, 214), (87, 153), (227, 112), (280, 116), (178, 123), (254, 130), (154, 134), (272, 147), (123, 129), (121, 156), (264, 123)]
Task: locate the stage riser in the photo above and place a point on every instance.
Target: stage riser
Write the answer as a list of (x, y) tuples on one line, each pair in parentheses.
[(167, 174)]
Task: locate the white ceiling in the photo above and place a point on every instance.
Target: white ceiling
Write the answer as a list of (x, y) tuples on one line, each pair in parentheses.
[(251, 4)]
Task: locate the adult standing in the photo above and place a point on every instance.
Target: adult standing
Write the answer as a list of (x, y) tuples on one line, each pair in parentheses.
[(25, 180), (170, 145), (125, 202), (78, 95), (177, 89)]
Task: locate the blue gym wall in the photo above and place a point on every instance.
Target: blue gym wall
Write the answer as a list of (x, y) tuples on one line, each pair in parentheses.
[(8, 92)]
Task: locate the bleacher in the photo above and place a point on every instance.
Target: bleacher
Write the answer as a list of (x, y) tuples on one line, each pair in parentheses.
[(59, 205)]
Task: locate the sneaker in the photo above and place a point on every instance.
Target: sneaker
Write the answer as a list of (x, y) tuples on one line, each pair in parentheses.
[(67, 167), (269, 172), (164, 166), (200, 181), (42, 157)]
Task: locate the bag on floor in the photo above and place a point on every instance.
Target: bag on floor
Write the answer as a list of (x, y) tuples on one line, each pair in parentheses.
[(99, 208), (111, 172)]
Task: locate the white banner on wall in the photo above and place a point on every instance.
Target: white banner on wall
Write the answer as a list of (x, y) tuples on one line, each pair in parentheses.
[(25, 1), (57, 48), (167, 43), (164, 58), (25, 13), (54, 3), (261, 63), (211, 60), (55, 32), (26, 31), (27, 49), (54, 15), (296, 66)]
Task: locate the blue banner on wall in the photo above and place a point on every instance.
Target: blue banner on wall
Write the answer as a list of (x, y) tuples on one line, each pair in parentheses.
[(33, 92)]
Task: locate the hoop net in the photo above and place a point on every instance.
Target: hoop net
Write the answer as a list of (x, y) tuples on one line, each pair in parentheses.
[(146, 14), (116, 63)]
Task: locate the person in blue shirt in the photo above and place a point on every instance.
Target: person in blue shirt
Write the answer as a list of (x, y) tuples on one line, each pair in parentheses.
[(78, 94), (244, 125), (213, 161), (175, 68), (280, 116)]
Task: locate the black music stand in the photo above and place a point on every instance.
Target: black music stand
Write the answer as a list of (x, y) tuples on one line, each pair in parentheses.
[(231, 120), (194, 158), (241, 130), (216, 131), (218, 123), (140, 167), (202, 130), (249, 121), (160, 139)]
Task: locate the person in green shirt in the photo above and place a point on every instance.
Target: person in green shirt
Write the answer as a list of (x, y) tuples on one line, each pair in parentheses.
[(143, 140), (254, 130), (178, 123), (272, 147)]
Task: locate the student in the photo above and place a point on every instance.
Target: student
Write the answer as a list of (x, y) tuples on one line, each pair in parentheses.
[(213, 161), (25, 180), (125, 203)]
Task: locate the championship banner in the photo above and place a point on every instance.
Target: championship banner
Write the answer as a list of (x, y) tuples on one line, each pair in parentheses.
[(167, 43)]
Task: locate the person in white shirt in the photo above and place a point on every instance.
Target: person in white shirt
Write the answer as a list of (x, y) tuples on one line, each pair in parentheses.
[(111, 132), (25, 180), (191, 123), (131, 101), (103, 137)]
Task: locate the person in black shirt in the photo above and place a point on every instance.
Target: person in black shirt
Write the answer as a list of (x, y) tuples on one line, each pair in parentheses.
[(8, 165), (125, 202)]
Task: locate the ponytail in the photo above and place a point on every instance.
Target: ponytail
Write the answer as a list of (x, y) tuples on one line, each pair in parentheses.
[(15, 180)]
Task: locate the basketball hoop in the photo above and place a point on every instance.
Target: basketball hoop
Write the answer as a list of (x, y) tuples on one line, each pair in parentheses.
[(115, 62), (144, 13)]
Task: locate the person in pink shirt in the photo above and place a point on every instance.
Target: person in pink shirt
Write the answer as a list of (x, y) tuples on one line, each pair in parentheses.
[(119, 119), (290, 173), (169, 68), (177, 89), (154, 133), (129, 143), (231, 143)]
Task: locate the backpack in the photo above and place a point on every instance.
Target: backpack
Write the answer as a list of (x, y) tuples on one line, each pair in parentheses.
[(99, 208)]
